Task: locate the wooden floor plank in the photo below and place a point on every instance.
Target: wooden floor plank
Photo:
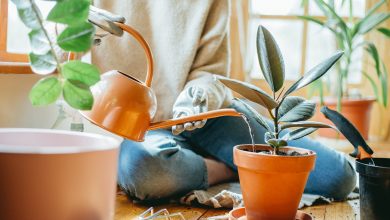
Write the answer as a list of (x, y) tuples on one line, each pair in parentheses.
[(340, 210), (214, 212), (317, 211), (127, 210)]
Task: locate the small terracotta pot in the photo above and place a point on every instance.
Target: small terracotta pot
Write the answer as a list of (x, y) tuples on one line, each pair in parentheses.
[(356, 111), (52, 174), (272, 185)]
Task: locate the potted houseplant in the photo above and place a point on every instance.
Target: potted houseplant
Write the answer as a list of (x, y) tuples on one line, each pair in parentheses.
[(349, 35), (52, 174), (374, 173), (273, 176)]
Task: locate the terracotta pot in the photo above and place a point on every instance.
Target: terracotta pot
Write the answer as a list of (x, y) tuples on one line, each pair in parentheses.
[(355, 110), (62, 175), (272, 185)]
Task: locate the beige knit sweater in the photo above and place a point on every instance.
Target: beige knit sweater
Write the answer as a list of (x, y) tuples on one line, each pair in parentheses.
[(189, 41)]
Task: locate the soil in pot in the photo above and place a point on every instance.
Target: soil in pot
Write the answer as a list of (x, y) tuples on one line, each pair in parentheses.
[(374, 188), (272, 185)]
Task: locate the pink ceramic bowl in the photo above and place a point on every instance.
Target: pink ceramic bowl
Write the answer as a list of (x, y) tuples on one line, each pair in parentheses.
[(52, 174)]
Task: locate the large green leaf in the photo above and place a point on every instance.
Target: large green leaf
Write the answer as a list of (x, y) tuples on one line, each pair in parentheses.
[(77, 38), (270, 59), (315, 73), (295, 109), (77, 95), (42, 64), (372, 22), (38, 42), (259, 119), (250, 92), (29, 17), (384, 31), (305, 124), (45, 91), (71, 12), (83, 72), (298, 133)]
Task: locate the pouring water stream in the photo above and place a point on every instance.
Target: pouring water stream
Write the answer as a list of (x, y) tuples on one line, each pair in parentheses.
[(250, 131)]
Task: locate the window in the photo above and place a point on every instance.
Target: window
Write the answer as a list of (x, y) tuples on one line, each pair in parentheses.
[(303, 44), (14, 43)]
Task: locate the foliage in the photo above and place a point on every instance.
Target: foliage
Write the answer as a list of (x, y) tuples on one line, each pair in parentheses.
[(286, 111), (347, 34), (74, 78)]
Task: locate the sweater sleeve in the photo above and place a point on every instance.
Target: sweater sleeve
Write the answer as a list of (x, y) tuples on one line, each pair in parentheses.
[(213, 56)]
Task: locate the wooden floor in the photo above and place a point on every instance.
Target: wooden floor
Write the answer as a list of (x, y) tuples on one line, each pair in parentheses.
[(126, 210), (349, 210)]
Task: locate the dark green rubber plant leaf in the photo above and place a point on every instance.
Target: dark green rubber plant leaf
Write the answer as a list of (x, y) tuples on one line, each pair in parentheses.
[(305, 124), (384, 31), (270, 59), (71, 12), (77, 95), (80, 71), (298, 133), (77, 38), (295, 109), (348, 130), (259, 119), (276, 143), (42, 64), (38, 42), (315, 73), (45, 91), (250, 92)]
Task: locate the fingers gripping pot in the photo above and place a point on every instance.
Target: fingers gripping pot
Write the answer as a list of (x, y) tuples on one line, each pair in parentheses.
[(125, 106)]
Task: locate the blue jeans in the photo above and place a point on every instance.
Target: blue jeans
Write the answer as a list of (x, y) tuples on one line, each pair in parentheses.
[(166, 165)]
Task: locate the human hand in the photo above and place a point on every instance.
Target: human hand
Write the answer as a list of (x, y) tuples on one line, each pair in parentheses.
[(191, 101), (105, 20)]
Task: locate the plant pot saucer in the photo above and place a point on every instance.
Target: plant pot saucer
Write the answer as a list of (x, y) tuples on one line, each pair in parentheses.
[(239, 214)]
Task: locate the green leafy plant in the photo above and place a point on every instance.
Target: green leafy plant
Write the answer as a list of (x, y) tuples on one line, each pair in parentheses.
[(286, 111), (347, 34), (73, 78)]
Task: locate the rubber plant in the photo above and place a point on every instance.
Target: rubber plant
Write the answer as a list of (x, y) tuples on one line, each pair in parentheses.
[(72, 78), (285, 110), (348, 36)]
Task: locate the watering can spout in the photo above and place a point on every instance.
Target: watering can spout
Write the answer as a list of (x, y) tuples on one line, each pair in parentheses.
[(198, 117)]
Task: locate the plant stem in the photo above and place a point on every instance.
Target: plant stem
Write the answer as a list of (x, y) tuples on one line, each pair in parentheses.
[(40, 20), (276, 128)]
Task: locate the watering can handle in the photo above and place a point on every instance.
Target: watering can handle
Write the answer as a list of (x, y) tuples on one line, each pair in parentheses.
[(145, 46)]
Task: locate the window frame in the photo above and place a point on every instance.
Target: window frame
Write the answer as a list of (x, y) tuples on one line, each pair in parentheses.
[(305, 32), (10, 62)]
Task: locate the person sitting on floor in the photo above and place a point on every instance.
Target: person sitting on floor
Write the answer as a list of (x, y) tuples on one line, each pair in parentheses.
[(190, 42)]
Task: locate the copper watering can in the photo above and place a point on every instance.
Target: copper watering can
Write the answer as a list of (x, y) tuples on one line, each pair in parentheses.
[(125, 106)]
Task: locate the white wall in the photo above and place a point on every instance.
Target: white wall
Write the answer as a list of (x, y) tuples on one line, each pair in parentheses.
[(16, 111)]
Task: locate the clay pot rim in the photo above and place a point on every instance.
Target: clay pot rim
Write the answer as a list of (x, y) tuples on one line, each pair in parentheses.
[(102, 142), (351, 101), (254, 154)]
